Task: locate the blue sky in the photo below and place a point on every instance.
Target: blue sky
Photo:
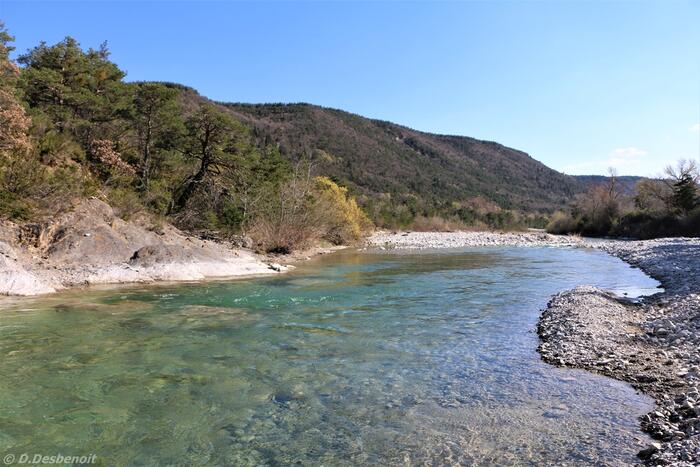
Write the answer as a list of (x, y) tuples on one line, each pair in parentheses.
[(578, 85)]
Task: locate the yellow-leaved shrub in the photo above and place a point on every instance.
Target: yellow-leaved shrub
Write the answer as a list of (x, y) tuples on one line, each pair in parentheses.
[(346, 223), (303, 211)]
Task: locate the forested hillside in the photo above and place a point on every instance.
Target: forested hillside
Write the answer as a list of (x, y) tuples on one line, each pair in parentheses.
[(626, 184), (402, 173), (73, 127)]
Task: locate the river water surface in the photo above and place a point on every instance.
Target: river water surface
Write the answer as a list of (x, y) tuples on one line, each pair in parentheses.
[(356, 358)]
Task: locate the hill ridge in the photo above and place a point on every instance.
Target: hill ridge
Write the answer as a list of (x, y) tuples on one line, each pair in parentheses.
[(377, 158)]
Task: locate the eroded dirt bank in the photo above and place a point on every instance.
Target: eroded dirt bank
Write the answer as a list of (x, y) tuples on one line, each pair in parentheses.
[(91, 245)]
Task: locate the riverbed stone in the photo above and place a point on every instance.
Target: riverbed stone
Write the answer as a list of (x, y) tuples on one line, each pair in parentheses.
[(653, 344)]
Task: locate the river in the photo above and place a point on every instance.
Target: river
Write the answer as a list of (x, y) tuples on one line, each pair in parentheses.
[(355, 358)]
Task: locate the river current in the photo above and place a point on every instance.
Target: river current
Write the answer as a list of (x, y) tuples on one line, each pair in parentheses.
[(355, 358)]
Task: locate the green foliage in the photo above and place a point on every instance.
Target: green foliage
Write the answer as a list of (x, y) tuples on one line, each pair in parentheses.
[(8, 70), (81, 92), (398, 173), (71, 127), (211, 141), (125, 202), (29, 189), (55, 147), (25, 183), (685, 193), (5, 40), (157, 121)]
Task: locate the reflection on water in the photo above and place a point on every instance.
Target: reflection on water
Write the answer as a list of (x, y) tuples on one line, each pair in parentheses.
[(356, 358)]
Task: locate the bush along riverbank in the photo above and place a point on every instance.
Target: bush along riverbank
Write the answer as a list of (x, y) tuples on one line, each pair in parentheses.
[(654, 345), (667, 206)]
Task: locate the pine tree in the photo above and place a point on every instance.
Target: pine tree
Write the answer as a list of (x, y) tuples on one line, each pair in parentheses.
[(212, 142), (685, 193), (14, 122), (81, 91), (158, 124)]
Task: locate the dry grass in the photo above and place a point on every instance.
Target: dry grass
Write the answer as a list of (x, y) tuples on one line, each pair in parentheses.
[(562, 223)]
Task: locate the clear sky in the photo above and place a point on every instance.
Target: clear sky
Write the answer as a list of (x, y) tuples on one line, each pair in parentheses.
[(578, 85)]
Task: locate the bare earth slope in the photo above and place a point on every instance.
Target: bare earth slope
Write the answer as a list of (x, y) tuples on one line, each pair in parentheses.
[(91, 245)]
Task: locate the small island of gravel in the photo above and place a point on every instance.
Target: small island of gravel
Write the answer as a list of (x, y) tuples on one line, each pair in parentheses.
[(653, 344)]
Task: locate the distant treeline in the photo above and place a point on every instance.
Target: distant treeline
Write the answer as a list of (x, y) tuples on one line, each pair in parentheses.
[(71, 127), (661, 207)]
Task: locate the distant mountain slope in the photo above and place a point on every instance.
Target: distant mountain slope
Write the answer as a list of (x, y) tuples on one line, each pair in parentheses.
[(375, 157)]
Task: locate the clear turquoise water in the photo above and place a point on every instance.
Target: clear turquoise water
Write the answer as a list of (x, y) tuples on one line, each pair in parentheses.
[(356, 358)]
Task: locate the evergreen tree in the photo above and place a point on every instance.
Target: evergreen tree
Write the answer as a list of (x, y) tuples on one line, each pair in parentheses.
[(158, 124), (81, 92), (14, 122), (685, 193), (213, 140), (8, 70)]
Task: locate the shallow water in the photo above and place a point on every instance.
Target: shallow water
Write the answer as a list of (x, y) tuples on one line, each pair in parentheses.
[(355, 358)]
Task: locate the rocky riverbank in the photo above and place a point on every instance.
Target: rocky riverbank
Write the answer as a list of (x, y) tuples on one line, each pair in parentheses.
[(653, 344), (426, 240), (91, 245)]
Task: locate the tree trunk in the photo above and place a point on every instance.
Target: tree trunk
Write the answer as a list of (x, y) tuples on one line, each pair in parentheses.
[(189, 188)]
